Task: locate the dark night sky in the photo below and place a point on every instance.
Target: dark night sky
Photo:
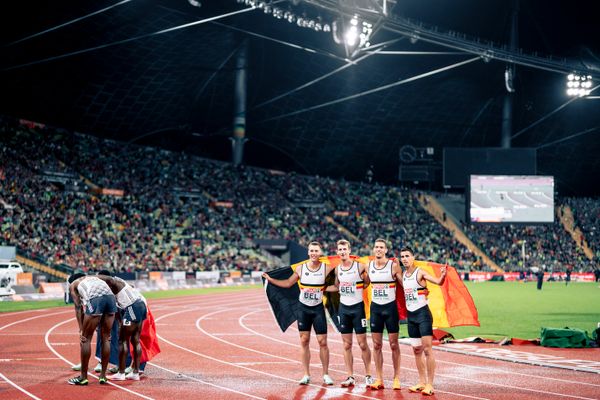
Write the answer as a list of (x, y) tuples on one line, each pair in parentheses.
[(177, 87)]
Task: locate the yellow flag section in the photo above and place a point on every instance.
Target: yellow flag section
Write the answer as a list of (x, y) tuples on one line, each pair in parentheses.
[(451, 304)]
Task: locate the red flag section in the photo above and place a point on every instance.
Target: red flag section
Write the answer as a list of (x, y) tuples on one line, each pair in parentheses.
[(148, 338), (451, 304)]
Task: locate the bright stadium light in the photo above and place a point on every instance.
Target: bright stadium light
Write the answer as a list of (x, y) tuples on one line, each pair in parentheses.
[(578, 85), (357, 33)]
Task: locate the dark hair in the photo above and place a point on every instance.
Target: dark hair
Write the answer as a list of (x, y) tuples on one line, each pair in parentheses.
[(75, 276), (104, 272), (407, 248)]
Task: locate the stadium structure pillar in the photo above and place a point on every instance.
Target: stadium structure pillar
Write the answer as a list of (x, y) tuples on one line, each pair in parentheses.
[(239, 117), (509, 79)]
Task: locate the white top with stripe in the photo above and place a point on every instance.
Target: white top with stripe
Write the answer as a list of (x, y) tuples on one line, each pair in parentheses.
[(383, 284), (351, 284), (311, 284), (414, 300), (127, 296), (91, 287)]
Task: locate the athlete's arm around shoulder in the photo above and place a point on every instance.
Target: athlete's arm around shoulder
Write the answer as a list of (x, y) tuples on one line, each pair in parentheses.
[(438, 281), (336, 286), (284, 283), (397, 272), (364, 274)]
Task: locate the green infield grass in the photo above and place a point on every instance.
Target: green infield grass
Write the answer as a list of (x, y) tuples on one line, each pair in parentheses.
[(515, 309), (9, 306), (506, 309)]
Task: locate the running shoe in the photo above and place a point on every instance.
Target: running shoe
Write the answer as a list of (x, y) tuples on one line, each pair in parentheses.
[(348, 382), (396, 385), (117, 377), (377, 385), (129, 369), (327, 380), (417, 388), (78, 380), (114, 370), (133, 376), (305, 380), (369, 380), (427, 390), (98, 368), (76, 367), (103, 381)]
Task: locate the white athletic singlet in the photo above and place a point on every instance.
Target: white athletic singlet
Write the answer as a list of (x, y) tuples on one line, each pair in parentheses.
[(311, 284), (127, 296), (383, 284), (91, 287), (414, 294), (351, 285)]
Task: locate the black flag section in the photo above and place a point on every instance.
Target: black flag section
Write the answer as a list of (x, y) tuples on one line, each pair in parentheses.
[(284, 302)]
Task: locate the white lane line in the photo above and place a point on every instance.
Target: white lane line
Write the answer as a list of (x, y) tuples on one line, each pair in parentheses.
[(46, 339), (206, 383), (18, 387), (241, 323), (336, 390), (443, 351), (36, 317), (447, 375)]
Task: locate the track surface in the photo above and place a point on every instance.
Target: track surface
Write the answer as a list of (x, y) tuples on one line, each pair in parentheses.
[(227, 346)]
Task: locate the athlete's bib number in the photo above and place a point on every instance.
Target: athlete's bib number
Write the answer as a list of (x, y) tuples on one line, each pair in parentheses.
[(312, 296), (411, 296), (381, 291), (347, 289)]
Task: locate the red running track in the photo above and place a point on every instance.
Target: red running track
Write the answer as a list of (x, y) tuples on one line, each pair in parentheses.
[(227, 346)]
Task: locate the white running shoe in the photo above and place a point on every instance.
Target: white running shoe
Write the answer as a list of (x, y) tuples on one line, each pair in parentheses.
[(116, 377), (369, 380), (327, 380), (348, 382), (98, 368), (305, 380), (133, 376)]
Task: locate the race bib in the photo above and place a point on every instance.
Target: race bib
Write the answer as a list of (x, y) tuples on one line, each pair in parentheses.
[(347, 289), (411, 296), (381, 291)]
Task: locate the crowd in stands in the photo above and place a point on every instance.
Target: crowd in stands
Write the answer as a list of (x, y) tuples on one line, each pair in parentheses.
[(181, 212), (586, 212), (548, 247)]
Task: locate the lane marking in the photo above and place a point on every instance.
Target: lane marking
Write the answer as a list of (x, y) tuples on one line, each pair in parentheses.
[(18, 387)]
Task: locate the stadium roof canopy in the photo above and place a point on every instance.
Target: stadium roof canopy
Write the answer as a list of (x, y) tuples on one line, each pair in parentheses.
[(162, 72)]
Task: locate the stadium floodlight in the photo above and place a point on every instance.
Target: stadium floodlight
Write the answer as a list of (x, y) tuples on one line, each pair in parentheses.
[(578, 84), (269, 8), (357, 33)]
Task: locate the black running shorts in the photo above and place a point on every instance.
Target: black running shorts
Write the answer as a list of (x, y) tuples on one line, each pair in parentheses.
[(353, 318), (312, 316), (385, 315), (420, 323)]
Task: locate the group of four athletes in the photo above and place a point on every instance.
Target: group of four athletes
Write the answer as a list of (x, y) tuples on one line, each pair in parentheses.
[(381, 276)]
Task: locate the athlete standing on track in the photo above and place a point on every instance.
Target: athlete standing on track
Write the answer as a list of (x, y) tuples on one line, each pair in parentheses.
[(311, 279), (420, 320), (351, 277), (384, 275)]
